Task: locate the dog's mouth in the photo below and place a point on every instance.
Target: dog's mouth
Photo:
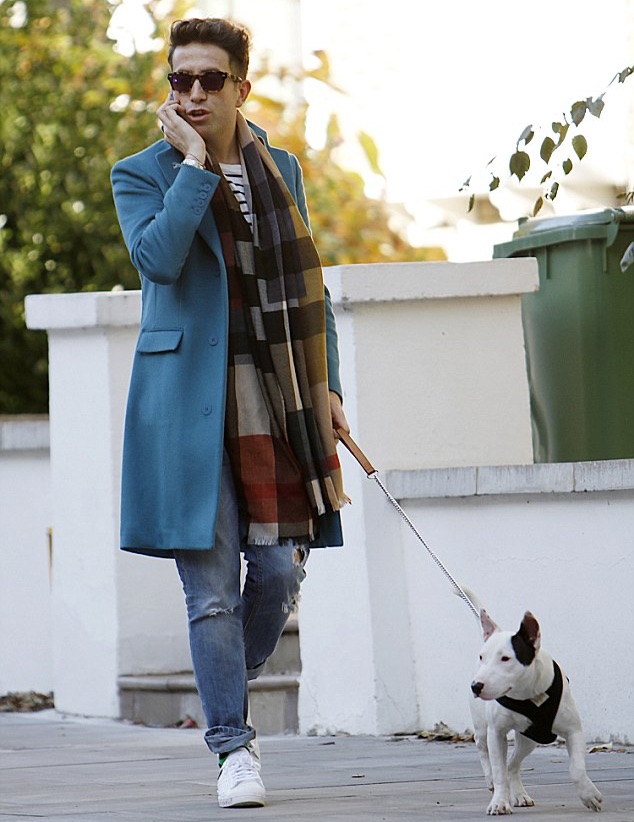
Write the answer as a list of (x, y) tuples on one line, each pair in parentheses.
[(487, 698)]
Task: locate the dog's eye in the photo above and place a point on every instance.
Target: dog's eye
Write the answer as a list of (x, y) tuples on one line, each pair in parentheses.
[(480, 657), (505, 659)]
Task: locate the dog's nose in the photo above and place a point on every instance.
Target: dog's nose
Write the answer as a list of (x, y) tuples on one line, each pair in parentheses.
[(477, 687)]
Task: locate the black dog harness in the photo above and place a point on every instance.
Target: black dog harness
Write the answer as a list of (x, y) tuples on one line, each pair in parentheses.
[(541, 716)]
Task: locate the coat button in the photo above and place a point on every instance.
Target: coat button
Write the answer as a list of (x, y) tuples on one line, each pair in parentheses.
[(206, 410), (213, 340)]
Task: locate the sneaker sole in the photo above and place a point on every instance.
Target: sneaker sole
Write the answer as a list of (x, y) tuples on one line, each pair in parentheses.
[(242, 802)]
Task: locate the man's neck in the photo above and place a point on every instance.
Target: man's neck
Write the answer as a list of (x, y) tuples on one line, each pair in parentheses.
[(227, 152)]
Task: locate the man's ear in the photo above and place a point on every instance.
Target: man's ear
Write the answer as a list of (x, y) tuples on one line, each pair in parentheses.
[(244, 90)]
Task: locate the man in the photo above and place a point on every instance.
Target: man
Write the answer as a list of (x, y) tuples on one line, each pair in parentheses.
[(229, 443)]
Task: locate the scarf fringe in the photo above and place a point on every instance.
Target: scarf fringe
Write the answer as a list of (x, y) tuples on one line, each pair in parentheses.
[(284, 542)]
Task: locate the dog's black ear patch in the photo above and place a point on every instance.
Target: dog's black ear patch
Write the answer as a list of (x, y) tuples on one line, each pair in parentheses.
[(524, 651), (526, 640)]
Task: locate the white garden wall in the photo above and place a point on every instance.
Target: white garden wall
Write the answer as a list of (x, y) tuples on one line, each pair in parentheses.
[(435, 383), (26, 657)]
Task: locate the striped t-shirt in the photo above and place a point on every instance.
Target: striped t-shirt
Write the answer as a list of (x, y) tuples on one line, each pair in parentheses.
[(233, 173)]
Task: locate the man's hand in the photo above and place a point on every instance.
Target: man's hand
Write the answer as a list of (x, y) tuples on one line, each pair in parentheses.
[(336, 412), (178, 132)]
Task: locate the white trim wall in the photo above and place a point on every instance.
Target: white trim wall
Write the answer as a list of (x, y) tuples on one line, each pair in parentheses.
[(26, 659)]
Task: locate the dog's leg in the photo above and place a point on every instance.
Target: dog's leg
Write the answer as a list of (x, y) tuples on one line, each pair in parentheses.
[(498, 748), (480, 736), (483, 752), (588, 792), (523, 746)]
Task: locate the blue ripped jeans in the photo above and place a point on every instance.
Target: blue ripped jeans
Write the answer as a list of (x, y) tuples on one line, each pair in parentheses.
[(232, 632)]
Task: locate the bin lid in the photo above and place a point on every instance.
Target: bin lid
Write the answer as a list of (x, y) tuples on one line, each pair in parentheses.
[(544, 231)]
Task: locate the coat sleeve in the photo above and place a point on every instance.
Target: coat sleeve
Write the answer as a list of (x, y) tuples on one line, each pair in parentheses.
[(159, 223)]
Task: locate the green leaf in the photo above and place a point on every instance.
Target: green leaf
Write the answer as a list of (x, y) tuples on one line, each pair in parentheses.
[(546, 176), (547, 148), (561, 129), (539, 202), (333, 132), (580, 145), (495, 182), (554, 190), (567, 166), (526, 136), (578, 111), (322, 72), (371, 151), (625, 73), (595, 107), (471, 203), (519, 164)]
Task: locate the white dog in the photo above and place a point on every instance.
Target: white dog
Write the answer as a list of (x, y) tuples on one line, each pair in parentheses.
[(519, 687)]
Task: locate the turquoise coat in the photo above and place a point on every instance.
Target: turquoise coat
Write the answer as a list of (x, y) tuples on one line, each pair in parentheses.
[(174, 428)]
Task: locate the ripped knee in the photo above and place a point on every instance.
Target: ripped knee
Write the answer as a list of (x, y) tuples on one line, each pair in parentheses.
[(300, 557), (291, 606), (197, 615)]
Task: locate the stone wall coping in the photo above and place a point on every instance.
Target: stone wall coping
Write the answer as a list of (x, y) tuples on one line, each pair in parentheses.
[(492, 480), (83, 309), (402, 282), (24, 432), (349, 284)]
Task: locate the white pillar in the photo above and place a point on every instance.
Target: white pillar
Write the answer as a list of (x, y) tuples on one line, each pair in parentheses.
[(112, 613), (434, 374)]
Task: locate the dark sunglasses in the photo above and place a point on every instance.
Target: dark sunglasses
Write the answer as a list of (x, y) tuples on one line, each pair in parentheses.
[(210, 80)]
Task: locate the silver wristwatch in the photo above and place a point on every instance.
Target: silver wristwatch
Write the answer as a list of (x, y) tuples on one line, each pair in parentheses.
[(192, 161)]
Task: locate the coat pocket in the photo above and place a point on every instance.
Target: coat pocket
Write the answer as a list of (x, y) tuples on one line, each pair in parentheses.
[(153, 342)]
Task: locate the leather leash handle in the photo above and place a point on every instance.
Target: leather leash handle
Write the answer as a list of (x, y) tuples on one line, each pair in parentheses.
[(356, 452)]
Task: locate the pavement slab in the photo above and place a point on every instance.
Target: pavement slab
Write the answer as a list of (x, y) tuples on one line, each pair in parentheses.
[(65, 769)]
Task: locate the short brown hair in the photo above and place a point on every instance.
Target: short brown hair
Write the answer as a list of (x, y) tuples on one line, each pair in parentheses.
[(233, 38)]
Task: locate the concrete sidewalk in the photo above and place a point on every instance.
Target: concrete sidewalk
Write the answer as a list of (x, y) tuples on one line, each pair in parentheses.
[(57, 768)]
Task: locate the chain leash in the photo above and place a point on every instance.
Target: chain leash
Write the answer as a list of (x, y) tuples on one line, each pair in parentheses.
[(372, 473)]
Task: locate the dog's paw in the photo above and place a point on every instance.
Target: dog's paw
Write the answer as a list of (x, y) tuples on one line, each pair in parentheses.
[(523, 800), (499, 806), (519, 795), (591, 796)]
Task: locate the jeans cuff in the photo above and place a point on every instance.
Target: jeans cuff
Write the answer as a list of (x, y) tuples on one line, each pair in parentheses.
[(222, 739)]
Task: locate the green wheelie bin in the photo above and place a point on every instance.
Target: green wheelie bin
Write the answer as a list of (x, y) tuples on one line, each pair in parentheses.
[(579, 333)]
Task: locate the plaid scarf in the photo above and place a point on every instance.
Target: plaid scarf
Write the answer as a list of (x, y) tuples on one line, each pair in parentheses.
[(278, 428)]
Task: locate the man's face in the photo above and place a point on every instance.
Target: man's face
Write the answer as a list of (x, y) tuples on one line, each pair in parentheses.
[(212, 114)]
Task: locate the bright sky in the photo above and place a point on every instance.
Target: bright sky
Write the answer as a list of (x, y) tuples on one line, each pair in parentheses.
[(445, 85)]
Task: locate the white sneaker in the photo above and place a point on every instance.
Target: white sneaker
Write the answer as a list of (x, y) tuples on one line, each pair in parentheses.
[(239, 783)]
